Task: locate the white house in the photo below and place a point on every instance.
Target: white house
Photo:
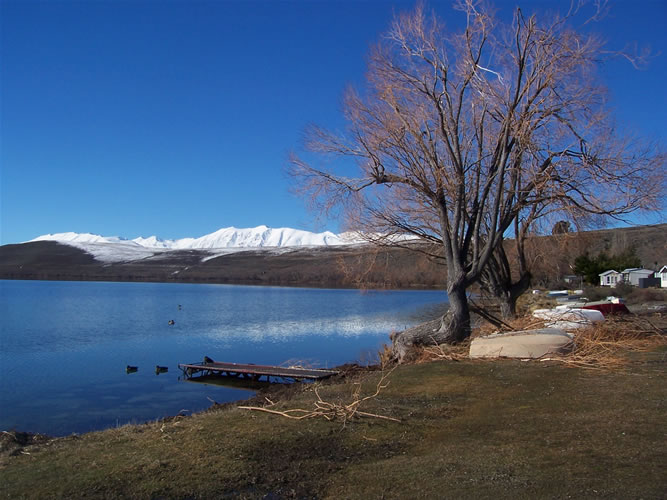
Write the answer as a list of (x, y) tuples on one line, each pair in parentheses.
[(632, 275), (610, 278), (662, 276)]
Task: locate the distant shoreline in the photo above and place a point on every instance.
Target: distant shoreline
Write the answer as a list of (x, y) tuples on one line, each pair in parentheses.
[(370, 286), (344, 267), (328, 267)]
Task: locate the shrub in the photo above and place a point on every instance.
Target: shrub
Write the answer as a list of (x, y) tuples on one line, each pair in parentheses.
[(594, 293), (623, 289), (643, 295)]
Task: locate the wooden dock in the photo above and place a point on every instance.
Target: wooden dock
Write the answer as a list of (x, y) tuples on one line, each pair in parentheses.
[(253, 372)]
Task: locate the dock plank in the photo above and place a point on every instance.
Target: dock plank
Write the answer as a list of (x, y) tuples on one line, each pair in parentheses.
[(255, 370)]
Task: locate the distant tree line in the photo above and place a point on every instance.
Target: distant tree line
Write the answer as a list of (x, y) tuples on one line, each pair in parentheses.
[(591, 267)]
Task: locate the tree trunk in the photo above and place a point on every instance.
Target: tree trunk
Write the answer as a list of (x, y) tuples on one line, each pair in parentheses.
[(506, 297), (497, 280), (455, 325), (507, 304), (452, 328)]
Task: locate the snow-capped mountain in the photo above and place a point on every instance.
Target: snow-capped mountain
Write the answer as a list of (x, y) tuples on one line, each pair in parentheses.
[(79, 238), (262, 236), (228, 237), (114, 248)]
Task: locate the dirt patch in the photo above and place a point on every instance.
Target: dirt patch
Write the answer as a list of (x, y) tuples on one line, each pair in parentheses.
[(14, 442)]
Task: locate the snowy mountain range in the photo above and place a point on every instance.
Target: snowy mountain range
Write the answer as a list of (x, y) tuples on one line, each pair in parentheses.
[(228, 237), (225, 240)]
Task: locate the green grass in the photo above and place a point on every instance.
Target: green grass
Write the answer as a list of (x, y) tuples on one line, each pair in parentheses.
[(468, 430)]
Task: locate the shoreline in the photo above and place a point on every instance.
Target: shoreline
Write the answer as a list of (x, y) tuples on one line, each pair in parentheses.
[(313, 285), (524, 429), (283, 390)]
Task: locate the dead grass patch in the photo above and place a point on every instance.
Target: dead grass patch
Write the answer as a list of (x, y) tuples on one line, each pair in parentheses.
[(493, 429), (442, 352)]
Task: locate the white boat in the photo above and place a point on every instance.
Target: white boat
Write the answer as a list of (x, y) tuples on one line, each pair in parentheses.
[(526, 344), (568, 318)]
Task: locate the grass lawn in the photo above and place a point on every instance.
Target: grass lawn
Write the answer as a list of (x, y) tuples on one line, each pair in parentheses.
[(493, 429)]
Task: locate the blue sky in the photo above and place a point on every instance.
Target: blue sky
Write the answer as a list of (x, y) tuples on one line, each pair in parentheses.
[(175, 118)]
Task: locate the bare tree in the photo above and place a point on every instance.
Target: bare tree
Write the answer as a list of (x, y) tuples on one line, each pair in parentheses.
[(459, 133)]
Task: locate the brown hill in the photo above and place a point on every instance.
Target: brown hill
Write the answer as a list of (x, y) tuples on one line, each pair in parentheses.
[(318, 267), (359, 266), (553, 256)]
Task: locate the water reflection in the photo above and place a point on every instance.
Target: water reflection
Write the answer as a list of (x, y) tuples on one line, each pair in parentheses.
[(66, 346), (286, 330), (233, 382)]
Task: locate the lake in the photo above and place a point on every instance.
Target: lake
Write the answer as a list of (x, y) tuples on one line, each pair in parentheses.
[(64, 346)]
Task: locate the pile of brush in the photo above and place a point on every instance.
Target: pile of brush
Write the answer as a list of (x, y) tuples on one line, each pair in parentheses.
[(604, 345)]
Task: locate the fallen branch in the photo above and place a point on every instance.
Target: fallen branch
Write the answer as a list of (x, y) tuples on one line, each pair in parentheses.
[(484, 313), (375, 415), (286, 414), (332, 411)]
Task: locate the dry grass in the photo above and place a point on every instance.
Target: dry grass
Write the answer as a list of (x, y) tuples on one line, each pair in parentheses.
[(645, 295), (528, 302), (527, 322), (605, 345), (602, 345), (385, 354), (443, 352), (496, 429)]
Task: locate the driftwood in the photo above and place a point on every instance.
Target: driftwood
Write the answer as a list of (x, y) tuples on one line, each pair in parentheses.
[(332, 411)]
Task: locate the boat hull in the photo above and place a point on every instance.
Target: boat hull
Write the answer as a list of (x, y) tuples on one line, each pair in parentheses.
[(526, 344)]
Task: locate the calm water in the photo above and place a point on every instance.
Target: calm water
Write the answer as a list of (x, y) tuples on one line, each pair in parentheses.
[(64, 346)]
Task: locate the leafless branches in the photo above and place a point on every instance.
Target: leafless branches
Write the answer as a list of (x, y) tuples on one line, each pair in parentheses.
[(460, 135)]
